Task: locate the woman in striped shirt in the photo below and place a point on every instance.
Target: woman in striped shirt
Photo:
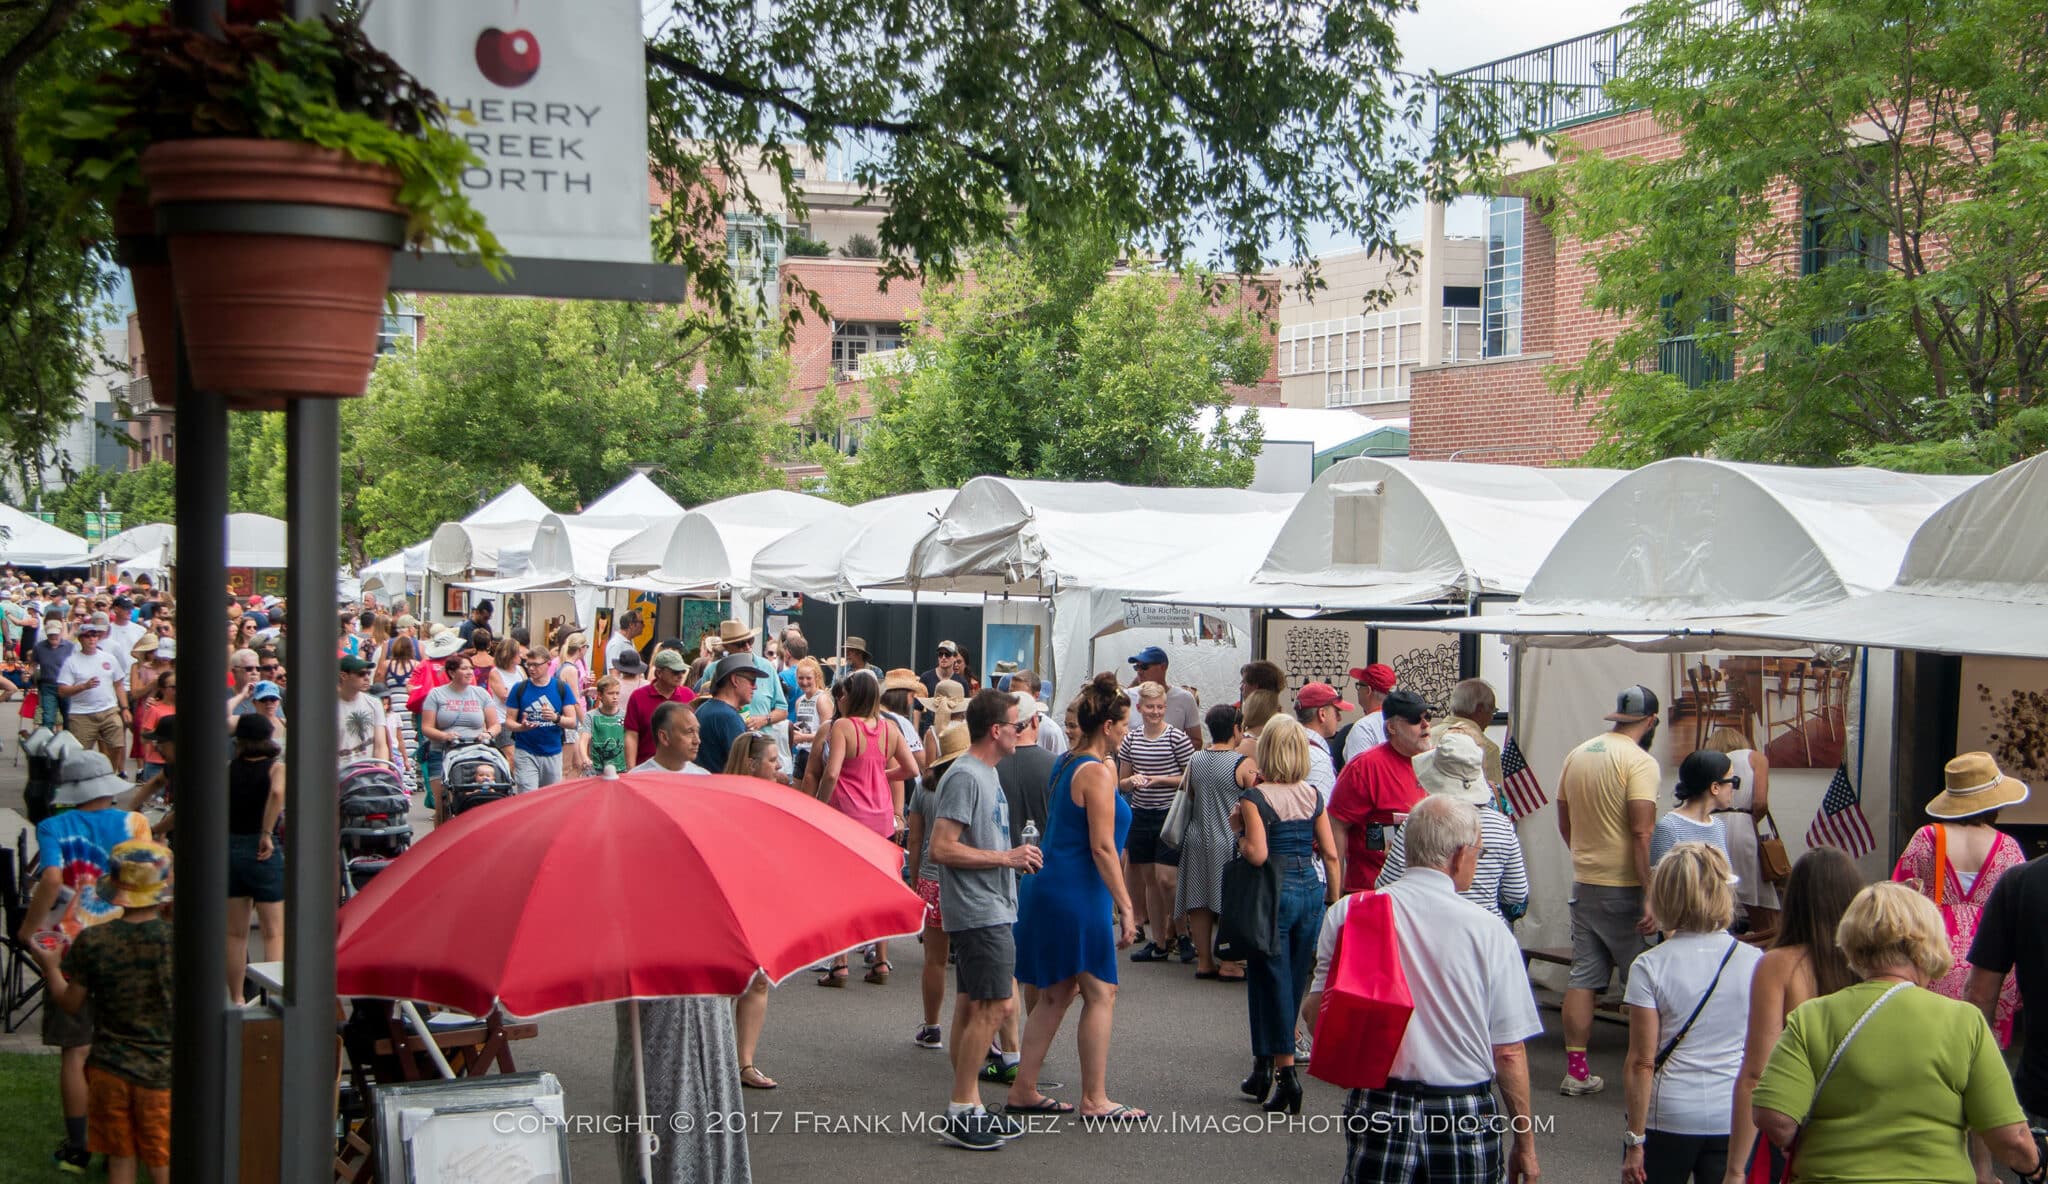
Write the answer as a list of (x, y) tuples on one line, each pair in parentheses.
[(1151, 766), (1455, 768)]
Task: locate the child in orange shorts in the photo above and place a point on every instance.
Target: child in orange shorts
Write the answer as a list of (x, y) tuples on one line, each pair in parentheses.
[(123, 967)]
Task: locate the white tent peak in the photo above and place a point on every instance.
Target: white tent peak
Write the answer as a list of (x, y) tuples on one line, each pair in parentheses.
[(517, 504), (1693, 538), (32, 542), (715, 544), (635, 497), (844, 558), (1322, 428)]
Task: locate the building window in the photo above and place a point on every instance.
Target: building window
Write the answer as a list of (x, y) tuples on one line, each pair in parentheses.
[(1502, 299), (1679, 353), (402, 326), (1461, 296), (1831, 237), (853, 340)]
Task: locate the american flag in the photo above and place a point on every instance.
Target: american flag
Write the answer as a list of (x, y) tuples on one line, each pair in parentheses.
[(1840, 822), (1525, 797)]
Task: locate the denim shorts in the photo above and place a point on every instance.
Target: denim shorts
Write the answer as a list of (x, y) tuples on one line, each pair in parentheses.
[(261, 880)]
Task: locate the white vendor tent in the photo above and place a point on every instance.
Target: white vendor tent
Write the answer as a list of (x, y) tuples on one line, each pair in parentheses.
[(408, 568), (137, 550), (1377, 532), (837, 560), (1087, 545), (1974, 580), (1686, 550), (396, 572), (255, 540), (32, 542), (713, 547)]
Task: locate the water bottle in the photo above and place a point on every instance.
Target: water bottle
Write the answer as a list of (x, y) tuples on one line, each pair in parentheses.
[(1030, 837)]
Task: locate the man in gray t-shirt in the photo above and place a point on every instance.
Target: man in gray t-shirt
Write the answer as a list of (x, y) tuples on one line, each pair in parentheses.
[(977, 872)]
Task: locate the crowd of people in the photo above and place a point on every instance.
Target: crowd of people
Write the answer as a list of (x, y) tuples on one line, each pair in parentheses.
[(1853, 1029)]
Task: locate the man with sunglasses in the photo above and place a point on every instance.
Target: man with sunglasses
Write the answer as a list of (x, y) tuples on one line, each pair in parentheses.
[(244, 667), (537, 710), (359, 725)]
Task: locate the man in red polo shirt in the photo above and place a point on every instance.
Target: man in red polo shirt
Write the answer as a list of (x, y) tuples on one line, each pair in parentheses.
[(1376, 787)]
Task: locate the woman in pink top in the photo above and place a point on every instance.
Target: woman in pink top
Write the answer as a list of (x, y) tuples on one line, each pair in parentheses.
[(864, 776)]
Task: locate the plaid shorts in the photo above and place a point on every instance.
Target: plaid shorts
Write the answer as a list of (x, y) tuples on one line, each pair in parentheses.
[(1392, 1136)]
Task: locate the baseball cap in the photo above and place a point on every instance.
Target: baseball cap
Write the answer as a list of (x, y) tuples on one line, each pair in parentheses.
[(1634, 705), (947, 647), (1321, 694), (1151, 655), (1405, 705), (1379, 676), (167, 649), (267, 690), (355, 665), (671, 660)]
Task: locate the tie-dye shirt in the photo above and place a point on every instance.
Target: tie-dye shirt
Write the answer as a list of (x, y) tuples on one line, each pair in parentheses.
[(78, 842)]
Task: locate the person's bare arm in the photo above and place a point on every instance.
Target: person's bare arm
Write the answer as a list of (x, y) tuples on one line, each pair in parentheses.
[(843, 735), (1981, 992), (1253, 845), (1779, 1128), (65, 995), (2013, 1146), (1564, 821), (902, 766), (1098, 798), (949, 851), (1766, 1021), (382, 740), (1760, 774), (632, 750), (1637, 1075), (48, 886), (1642, 821), (914, 843), (1511, 1075), (273, 809), (1326, 846)]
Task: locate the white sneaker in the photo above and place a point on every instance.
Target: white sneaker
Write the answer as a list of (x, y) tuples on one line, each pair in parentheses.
[(1575, 1087), (1302, 1043)]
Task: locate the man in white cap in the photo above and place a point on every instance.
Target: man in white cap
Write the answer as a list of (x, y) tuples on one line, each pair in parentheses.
[(77, 845), (1607, 811), (95, 681)]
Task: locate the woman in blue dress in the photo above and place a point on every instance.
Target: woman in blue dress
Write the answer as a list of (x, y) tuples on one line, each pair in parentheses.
[(1075, 913)]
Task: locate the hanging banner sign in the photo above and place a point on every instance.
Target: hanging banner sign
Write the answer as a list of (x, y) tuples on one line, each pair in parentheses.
[(1157, 616), (553, 98)]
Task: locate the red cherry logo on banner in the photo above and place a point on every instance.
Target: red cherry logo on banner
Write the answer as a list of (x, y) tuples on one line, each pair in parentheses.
[(508, 58)]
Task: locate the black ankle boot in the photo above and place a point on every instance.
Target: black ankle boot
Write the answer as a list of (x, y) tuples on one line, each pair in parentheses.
[(1286, 1092), (1260, 1082)]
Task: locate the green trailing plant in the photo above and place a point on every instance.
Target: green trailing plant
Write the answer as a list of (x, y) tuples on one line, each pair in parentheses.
[(317, 82)]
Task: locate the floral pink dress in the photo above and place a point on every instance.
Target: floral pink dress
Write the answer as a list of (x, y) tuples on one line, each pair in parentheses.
[(1960, 912)]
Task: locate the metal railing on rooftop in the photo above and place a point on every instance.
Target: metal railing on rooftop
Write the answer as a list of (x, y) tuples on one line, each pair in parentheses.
[(1564, 83)]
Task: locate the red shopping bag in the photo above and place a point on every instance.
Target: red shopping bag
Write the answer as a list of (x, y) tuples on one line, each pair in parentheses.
[(1366, 1004)]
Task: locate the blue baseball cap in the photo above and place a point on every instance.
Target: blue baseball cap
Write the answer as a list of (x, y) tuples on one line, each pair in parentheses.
[(267, 690), (1151, 655)]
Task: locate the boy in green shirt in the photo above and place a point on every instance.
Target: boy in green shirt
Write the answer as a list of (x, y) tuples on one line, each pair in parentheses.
[(608, 728)]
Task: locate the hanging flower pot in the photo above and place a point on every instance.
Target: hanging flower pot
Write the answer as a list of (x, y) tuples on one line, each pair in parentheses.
[(281, 255), (143, 253)]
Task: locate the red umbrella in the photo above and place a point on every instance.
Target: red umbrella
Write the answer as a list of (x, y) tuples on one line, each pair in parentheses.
[(644, 886)]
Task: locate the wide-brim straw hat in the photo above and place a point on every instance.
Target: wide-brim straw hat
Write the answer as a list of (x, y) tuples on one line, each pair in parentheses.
[(445, 644), (903, 679), (953, 741), (948, 696), (735, 633), (1975, 785)]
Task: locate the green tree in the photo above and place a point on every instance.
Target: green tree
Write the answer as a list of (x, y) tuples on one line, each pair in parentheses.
[(1853, 232), (1046, 365), (565, 396)]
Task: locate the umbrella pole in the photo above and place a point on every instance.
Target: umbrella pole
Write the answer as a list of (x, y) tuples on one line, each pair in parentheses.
[(412, 1017), (640, 1086)]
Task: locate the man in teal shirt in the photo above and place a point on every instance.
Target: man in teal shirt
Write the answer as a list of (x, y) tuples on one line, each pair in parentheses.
[(770, 705)]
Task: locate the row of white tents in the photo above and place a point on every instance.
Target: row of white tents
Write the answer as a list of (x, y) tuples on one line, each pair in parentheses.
[(254, 541)]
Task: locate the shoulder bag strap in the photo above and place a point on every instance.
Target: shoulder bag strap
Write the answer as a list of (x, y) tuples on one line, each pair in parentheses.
[(1664, 1054), (1799, 1136), (1940, 863)]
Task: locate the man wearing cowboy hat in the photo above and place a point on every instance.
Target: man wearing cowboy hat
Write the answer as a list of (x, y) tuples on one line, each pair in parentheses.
[(77, 851), (768, 706), (1456, 769), (733, 684), (853, 655), (123, 970)]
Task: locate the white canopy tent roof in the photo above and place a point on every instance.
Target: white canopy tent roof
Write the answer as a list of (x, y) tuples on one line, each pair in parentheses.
[(393, 571), (714, 546), (1687, 550), (254, 540), (1974, 580), (1376, 532), (635, 497), (138, 549), (32, 542), (516, 505), (850, 558), (627, 527), (1323, 429)]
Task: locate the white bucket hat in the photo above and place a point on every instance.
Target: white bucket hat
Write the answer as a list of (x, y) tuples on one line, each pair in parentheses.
[(1454, 769), (86, 776)]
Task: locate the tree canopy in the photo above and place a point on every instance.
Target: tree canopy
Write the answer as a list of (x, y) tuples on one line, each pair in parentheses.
[(1845, 258), (1048, 364)]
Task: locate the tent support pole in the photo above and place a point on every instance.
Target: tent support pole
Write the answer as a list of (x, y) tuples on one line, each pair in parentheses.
[(913, 626)]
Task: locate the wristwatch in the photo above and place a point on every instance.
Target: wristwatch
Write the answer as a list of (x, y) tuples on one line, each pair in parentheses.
[(1630, 1139)]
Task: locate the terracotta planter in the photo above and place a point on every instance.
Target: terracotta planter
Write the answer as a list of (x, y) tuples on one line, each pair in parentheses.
[(281, 255), (148, 261)]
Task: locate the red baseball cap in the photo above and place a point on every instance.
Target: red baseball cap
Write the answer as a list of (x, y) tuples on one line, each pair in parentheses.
[(1321, 694), (1379, 676)]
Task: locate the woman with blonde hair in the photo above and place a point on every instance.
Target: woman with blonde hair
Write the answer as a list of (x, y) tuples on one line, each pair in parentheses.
[(1283, 821), (1688, 1002), (810, 714), (1740, 818), (1882, 1080)]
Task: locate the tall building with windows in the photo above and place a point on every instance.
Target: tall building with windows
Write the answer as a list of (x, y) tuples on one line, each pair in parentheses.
[(1498, 405), (1357, 342)]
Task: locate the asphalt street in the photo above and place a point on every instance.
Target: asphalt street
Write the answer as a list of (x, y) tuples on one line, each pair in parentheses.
[(855, 1092)]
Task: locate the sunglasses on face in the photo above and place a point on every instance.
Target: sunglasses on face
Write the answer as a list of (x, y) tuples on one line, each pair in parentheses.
[(246, 669), (1731, 782), (270, 666)]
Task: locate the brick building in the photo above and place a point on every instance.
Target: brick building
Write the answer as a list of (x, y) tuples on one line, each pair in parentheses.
[(1499, 407)]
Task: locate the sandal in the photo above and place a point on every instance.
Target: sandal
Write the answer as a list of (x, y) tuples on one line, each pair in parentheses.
[(878, 974), (835, 977), (1122, 1114), (759, 1079), (1043, 1105)]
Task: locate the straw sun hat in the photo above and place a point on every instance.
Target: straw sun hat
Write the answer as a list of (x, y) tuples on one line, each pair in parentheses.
[(1975, 785)]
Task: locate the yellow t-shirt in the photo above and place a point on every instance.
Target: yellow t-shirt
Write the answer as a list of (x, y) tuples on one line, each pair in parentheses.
[(1600, 778)]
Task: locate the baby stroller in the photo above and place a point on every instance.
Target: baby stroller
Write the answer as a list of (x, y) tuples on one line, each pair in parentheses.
[(374, 830), (473, 775), (46, 750)]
